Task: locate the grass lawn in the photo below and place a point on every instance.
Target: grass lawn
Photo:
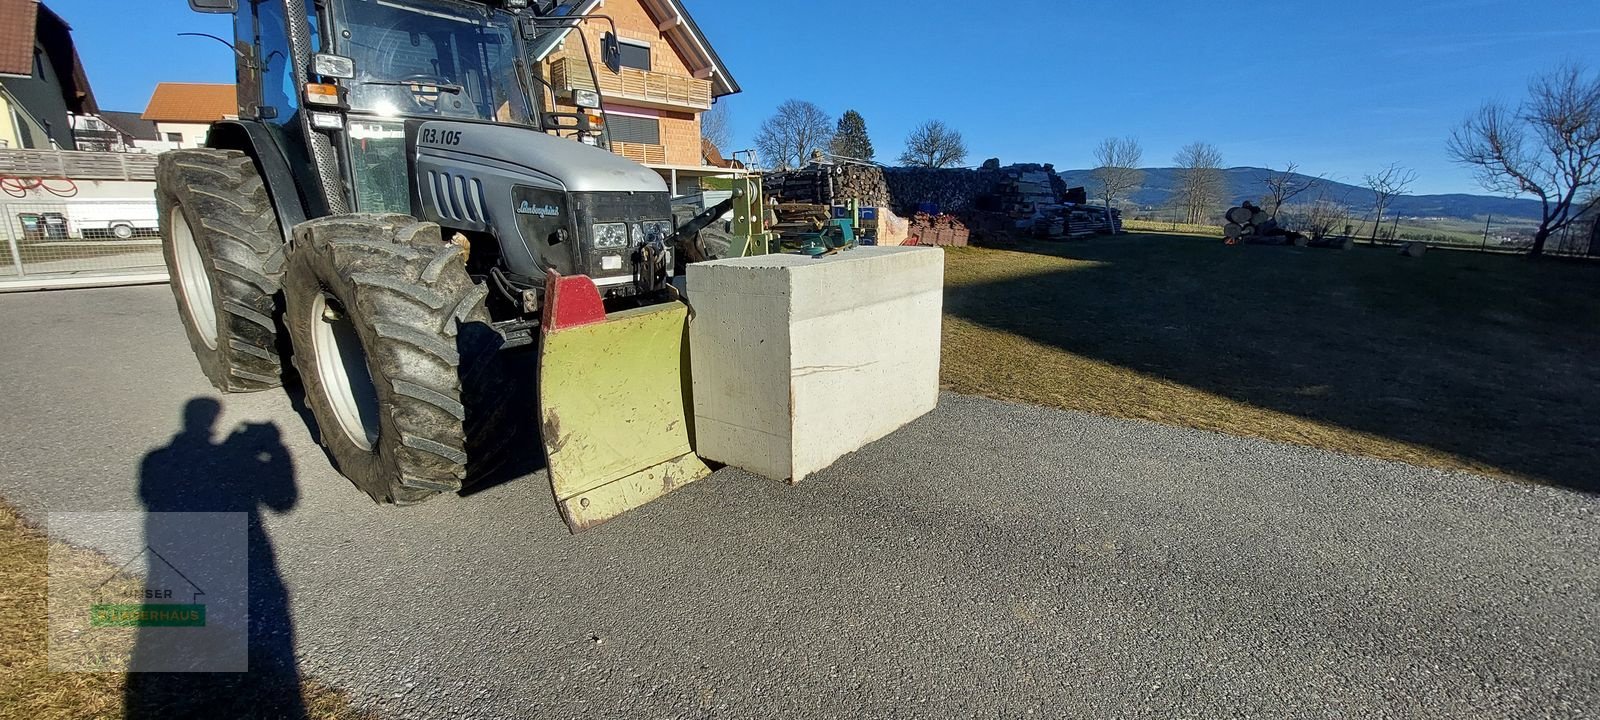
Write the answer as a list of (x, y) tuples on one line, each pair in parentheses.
[(1455, 360), (31, 691)]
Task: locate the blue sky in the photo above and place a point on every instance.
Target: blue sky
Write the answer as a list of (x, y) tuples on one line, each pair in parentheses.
[(1339, 87)]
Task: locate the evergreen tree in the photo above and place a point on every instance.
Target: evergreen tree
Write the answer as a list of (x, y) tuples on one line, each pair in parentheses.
[(851, 138)]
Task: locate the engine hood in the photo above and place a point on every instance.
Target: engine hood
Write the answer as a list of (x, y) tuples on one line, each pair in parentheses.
[(576, 166)]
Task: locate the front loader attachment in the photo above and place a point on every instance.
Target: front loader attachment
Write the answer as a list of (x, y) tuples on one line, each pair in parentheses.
[(613, 402)]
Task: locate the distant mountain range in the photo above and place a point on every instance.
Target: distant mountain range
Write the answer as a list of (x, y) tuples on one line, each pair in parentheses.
[(1160, 184)]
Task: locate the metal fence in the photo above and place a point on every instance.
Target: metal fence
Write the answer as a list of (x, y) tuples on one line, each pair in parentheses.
[(47, 246), (1503, 237)]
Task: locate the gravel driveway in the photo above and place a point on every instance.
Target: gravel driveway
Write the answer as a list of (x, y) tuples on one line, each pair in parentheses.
[(990, 560)]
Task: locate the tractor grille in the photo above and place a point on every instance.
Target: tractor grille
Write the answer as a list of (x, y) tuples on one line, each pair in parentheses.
[(457, 197)]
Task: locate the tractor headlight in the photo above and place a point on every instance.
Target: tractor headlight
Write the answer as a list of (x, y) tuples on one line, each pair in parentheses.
[(586, 99), (643, 231), (611, 235)]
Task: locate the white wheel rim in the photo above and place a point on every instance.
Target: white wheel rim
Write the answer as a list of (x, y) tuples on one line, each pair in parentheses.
[(193, 280), (342, 369)]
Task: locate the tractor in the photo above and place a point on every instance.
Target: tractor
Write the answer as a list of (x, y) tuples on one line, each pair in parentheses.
[(400, 210)]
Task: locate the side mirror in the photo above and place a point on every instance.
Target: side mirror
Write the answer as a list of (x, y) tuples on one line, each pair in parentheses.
[(214, 6), (611, 52)]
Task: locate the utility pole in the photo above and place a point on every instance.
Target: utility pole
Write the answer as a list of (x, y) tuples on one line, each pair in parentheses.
[(1486, 222)]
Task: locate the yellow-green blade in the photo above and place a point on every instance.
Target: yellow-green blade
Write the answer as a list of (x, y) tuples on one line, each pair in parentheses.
[(615, 413)]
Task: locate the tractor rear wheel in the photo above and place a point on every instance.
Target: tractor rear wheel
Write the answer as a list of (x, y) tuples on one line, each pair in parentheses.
[(400, 366), (224, 252)]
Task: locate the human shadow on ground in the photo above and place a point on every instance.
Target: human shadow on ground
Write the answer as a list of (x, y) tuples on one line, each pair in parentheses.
[(249, 471)]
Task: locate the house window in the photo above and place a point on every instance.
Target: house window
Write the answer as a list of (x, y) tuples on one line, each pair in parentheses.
[(175, 138), (629, 129), (635, 55)]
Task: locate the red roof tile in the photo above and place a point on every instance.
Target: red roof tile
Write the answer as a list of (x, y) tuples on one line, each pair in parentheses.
[(17, 21), (192, 103)]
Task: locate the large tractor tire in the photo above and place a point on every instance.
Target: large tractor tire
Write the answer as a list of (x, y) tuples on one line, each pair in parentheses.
[(225, 255), (393, 345)]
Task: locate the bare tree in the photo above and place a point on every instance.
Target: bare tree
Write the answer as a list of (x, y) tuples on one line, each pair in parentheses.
[(798, 129), (1386, 185), (1549, 147), (934, 145), (1592, 211), (1117, 174), (1201, 184), (1320, 218), (1284, 186), (716, 125)]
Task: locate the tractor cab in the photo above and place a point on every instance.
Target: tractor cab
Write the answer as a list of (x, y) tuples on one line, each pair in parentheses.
[(437, 109)]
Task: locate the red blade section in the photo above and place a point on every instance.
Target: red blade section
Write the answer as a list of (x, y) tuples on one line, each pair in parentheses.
[(570, 301)]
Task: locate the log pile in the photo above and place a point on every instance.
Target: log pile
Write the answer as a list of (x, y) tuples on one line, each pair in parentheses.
[(826, 184), (1250, 224), (940, 230), (951, 191)]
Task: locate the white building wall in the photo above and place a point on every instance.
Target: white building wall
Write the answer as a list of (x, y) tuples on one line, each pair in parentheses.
[(190, 135)]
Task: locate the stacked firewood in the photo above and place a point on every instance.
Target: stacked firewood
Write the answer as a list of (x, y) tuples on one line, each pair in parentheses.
[(826, 184), (863, 183), (924, 189)]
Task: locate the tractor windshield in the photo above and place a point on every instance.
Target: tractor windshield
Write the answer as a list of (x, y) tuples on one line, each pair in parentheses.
[(433, 58)]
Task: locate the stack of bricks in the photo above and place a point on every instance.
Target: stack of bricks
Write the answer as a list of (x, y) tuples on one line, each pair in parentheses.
[(939, 230)]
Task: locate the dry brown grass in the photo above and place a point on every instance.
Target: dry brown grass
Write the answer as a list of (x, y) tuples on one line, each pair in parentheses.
[(1176, 228), (30, 690), (1459, 361)]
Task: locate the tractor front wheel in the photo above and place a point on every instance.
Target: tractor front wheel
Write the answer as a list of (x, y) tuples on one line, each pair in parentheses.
[(399, 364), (224, 253)]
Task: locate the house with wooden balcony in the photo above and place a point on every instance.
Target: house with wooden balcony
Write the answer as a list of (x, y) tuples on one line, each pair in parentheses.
[(669, 76)]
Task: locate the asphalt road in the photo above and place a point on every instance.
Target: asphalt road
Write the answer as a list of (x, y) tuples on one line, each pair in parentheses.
[(990, 560)]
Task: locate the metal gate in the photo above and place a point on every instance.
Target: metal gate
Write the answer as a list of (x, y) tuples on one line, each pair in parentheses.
[(78, 219)]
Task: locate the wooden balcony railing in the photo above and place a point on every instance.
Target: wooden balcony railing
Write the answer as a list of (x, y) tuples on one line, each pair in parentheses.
[(654, 88), (639, 153)]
